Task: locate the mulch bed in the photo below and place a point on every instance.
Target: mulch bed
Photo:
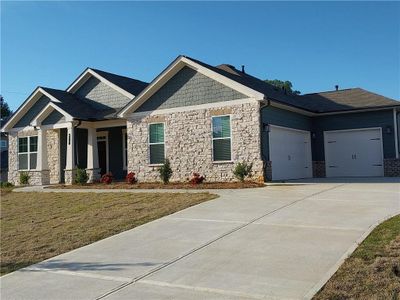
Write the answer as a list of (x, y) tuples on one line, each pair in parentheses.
[(158, 185)]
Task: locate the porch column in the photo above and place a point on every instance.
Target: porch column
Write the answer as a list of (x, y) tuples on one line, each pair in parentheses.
[(93, 169), (70, 167), (42, 163)]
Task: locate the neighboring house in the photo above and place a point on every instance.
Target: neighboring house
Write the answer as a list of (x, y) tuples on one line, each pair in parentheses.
[(3, 154), (204, 119)]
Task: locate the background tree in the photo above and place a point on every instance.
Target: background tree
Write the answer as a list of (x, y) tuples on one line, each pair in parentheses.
[(286, 85), (5, 109)]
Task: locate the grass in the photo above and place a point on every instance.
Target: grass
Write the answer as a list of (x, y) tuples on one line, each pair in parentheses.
[(158, 185), (372, 271), (37, 226)]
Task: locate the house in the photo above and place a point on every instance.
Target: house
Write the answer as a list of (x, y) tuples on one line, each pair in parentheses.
[(204, 119)]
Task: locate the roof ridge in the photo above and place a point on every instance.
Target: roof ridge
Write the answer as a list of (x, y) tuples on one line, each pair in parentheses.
[(333, 91), (98, 70)]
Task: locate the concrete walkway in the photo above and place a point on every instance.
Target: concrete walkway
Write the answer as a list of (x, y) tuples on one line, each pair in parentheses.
[(278, 242)]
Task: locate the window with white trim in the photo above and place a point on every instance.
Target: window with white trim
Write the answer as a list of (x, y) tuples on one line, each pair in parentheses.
[(156, 143), (125, 149), (27, 152), (221, 138)]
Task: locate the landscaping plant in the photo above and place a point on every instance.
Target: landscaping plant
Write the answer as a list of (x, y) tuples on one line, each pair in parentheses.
[(24, 178), (5, 184), (242, 170), (130, 178), (107, 178), (197, 178), (81, 176), (165, 171)]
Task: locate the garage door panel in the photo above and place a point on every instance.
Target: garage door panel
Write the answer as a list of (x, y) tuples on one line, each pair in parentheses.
[(290, 153), (353, 153)]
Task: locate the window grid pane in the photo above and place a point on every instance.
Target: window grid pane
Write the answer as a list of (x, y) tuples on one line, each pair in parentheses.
[(23, 161), (32, 161), (221, 127), (157, 154), (222, 150), (22, 145), (156, 133), (33, 140)]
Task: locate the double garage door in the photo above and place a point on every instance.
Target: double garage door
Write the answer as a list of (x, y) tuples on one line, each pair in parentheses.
[(354, 152), (347, 153)]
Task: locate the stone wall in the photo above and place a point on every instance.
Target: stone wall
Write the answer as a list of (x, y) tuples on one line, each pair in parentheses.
[(53, 155), (36, 177), (188, 143), (319, 169), (392, 167)]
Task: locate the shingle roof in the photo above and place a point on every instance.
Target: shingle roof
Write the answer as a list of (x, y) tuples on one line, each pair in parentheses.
[(130, 85), (318, 102), (78, 108)]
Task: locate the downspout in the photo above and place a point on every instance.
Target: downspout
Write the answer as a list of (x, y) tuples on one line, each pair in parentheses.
[(263, 158)]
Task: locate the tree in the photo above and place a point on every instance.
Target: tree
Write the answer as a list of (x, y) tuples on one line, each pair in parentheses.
[(5, 109), (284, 85)]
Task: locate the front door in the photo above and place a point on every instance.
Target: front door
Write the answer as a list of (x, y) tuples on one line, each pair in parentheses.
[(102, 148)]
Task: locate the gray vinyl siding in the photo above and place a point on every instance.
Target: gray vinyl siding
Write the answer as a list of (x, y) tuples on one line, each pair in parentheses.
[(381, 119), (280, 117), (53, 118), (100, 95), (36, 108), (115, 151), (189, 87)]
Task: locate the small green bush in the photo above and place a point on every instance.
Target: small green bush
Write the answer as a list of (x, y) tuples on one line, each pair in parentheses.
[(24, 178), (165, 171), (5, 184), (242, 170), (81, 176)]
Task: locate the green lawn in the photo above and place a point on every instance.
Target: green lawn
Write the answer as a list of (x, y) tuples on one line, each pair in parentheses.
[(37, 226), (372, 271)]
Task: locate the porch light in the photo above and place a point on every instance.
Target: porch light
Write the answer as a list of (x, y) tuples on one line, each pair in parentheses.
[(313, 135), (388, 129), (266, 127)]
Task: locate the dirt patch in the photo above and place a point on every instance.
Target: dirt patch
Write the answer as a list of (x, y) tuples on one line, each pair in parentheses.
[(37, 226), (157, 185), (372, 271)]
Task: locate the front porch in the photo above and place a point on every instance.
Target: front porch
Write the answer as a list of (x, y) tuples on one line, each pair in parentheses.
[(99, 147)]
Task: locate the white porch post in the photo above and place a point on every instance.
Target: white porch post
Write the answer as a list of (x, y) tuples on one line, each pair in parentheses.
[(42, 151), (70, 157), (92, 155)]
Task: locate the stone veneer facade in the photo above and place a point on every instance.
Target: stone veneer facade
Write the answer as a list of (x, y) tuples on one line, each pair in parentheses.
[(391, 167), (52, 175), (188, 143)]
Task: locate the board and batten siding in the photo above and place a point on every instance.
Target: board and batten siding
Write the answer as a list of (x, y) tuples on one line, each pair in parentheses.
[(382, 119), (189, 87), (280, 117)]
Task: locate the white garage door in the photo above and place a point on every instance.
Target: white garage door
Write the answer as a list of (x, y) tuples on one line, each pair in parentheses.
[(290, 153), (353, 152)]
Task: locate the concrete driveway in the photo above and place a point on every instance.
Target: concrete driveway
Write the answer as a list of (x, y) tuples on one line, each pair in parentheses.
[(278, 242)]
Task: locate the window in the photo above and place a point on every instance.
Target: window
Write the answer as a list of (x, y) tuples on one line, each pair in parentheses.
[(27, 153), (221, 130), (156, 143), (3, 143), (125, 149)]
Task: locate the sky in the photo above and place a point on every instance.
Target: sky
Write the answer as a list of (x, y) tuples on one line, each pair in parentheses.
[(315, 45)]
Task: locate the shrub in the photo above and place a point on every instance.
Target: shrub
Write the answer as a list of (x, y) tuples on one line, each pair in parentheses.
[(242, 170), (197, 179), (6, 184), (165, 171), (107, 178), (81, 176), (24, 178), (130, 178)]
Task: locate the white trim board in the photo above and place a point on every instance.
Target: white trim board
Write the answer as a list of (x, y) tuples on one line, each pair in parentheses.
[(174, 68), (81, 80)]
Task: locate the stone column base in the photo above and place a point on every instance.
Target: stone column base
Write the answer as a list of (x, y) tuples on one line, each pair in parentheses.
[(391, 167), (69, 176), (319, 170), (94, 175)]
